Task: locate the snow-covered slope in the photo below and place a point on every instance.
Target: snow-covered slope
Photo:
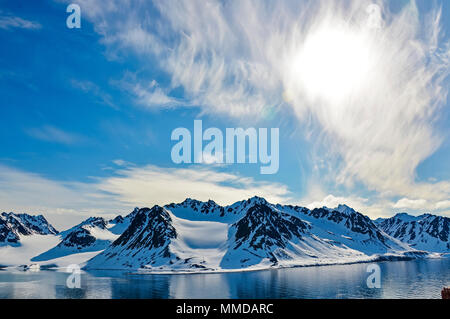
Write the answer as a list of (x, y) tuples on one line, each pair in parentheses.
[(31, 246), (197, 236), (250, 234), (22, 236), (32, 240), (346, 226), (92, 235), (278, 235), (263, 235), (426, 232), (14, 226), (145, 242)]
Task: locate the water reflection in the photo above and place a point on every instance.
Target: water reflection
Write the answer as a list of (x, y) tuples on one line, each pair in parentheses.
[(411, 279), (200, 286)]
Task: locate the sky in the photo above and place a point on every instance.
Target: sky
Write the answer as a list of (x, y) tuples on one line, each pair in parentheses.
[(357, 89)]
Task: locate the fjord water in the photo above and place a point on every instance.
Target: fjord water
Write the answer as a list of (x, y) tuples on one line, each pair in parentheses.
[(402, 279)]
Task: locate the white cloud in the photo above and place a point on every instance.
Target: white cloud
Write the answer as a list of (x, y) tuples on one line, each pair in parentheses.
[(50, 133), (151, 185), (382, 128), (95, 90), (422, 205), (216, 159), (445, 204), (64, 203), (243, 58), (121, 162), (11, 22), (332, 201), (67, 203), (411, 203), (149, 95), (200, 44), (373, 208)]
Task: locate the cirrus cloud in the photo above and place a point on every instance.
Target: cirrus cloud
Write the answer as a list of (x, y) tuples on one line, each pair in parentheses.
[(13, 22), (245, 58), (49, 133), (69, 202)]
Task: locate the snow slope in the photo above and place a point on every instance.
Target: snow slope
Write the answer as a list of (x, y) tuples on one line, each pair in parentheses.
[(426, 232), (145, 242), (252, 234), (33, 245), (13, 226), (195, 236), (92, 235), (37, 242)]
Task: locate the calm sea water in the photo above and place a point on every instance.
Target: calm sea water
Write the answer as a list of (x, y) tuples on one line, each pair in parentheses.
[(407, 279)]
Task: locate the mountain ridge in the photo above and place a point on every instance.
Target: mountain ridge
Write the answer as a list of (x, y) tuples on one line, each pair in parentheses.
[(13, 226), (250, 234), (255, 234), (426, 232)]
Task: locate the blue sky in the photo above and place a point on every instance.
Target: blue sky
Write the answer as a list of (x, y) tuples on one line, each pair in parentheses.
[(86, 114)]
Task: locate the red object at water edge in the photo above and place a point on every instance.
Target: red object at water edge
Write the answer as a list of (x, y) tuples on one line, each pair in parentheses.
[(445, 293)]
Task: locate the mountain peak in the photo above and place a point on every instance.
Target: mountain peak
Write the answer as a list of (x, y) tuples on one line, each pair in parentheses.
[(156, 209), (425, 232), (405, 217), (427, 215), (116, 220), (342, 208), (257, 200), (12, 226), (189, 200)]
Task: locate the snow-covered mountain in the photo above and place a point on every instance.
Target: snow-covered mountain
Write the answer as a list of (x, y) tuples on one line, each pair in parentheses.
[(203, 236), (93, 234), (250, 234), (14, 226), (145, 242), (23, 236), (426, 232), (263, 235), (27, 239)]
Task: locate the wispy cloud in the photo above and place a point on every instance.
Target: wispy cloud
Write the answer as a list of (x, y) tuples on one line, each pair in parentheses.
[(12, 22), (69, 202), (121, 162), (155, 185), (421, 204), (147, 94), (207, 56), (65, 203), (244, 58), (332, 201), (445, 204), (53, 134), (92, 88), (411, 203)]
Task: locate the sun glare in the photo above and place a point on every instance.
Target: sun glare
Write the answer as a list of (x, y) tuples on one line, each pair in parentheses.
[(333, 63)]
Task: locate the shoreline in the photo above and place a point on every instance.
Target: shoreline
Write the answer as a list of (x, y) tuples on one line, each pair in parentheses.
[(383, 258), (143, 271)]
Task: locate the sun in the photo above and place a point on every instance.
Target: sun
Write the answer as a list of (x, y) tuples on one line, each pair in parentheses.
[(333, 63)]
